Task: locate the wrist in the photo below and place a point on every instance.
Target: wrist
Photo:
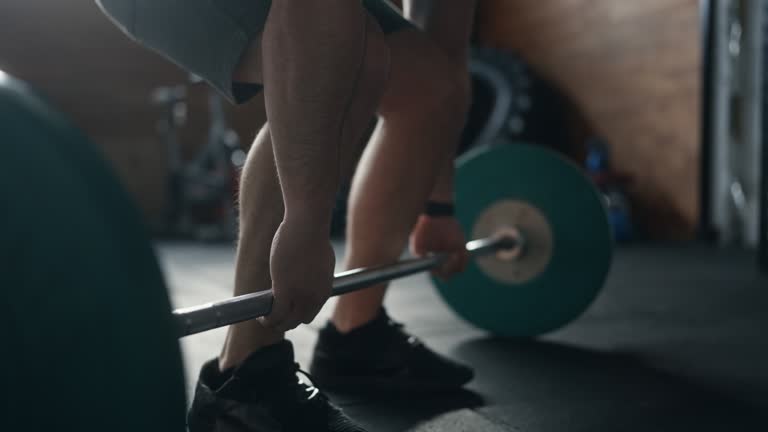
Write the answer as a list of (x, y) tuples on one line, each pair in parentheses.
[(442, 193), (436, 209)]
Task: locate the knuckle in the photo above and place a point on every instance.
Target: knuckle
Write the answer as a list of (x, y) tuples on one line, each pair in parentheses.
[(307, 316)]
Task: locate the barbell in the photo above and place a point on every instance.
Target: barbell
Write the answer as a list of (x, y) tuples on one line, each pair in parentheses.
[(85, 305), (209, 316), (538, 265)]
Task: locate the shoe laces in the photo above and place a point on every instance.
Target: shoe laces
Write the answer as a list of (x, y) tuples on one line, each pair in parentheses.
[(301, 400), (305, 388), (403, 335)]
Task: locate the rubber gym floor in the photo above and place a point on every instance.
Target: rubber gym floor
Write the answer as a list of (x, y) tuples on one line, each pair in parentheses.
[(677, 341)]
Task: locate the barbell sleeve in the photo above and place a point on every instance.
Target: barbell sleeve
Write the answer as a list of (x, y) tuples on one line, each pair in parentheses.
[(198, 319)]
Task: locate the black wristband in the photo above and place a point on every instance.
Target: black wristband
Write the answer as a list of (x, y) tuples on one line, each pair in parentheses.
[(439, 209)]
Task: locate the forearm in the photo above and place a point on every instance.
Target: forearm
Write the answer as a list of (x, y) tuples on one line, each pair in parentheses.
[(310, 72), (443, 191), (309, 178)]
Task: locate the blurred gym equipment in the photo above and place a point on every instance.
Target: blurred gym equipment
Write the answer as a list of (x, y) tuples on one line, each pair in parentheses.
[(200, 190)]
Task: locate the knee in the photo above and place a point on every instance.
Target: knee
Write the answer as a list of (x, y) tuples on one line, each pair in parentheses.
[(376, 61), (451, 91), (440, 92), (451, 96)]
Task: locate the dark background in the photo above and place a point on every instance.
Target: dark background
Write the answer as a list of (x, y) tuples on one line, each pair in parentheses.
[(632, 69)]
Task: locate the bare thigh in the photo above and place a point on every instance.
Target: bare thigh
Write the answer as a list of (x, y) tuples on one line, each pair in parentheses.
[(421, 76), (250, 68), (371, 88)]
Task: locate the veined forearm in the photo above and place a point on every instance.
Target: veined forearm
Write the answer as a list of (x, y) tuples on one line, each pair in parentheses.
[(311, 74), (309, 177)]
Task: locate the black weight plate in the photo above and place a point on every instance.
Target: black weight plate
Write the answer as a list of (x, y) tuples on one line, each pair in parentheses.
[(86, 323)]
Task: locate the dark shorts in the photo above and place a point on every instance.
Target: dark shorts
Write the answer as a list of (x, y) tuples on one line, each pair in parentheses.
[(208, 37)]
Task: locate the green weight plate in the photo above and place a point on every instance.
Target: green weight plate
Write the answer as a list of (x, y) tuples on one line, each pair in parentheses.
[(565, 227), (85, 324)]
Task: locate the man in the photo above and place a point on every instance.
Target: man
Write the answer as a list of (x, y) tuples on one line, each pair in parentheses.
[(327, 67)]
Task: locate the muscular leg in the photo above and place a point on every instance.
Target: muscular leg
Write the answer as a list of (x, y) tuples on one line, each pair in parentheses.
[(261, 204), (422, 116)]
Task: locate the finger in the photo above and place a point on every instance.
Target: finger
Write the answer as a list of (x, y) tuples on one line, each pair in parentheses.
[(464, 262), (273, 324), (279, 313), (456, 264), (297, 317), (310, 313), (460, 262), (301, 313), (439, 276), (418, 249), (453, 265), (412, 246), (289, 321), (442, 272), (288, 325)]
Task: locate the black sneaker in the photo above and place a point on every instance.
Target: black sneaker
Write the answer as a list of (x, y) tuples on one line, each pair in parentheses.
[(381, 356), (264, 394)]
